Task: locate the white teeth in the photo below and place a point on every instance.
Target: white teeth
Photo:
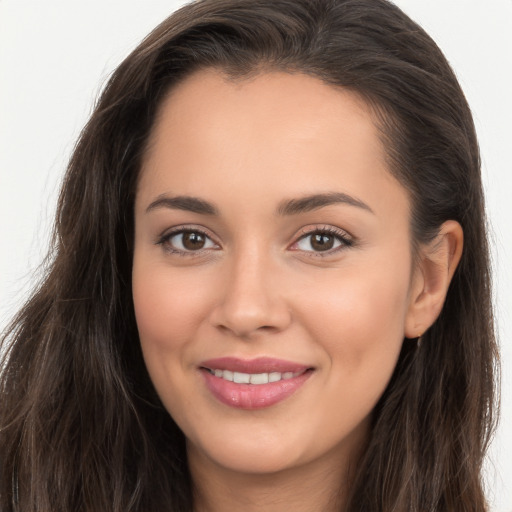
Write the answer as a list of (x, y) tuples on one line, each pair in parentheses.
[(253, 378), (241, 378), (259, 378), (274, 377)]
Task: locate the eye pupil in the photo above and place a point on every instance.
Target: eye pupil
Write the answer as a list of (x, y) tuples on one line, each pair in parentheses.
[(193, 241), (322, 242)]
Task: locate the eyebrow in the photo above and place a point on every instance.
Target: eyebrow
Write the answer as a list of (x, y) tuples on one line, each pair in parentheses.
[(187, 203), (316, 201), (291, 207)]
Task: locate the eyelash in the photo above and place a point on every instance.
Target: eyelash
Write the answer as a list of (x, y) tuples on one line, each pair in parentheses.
[(345, 241), (164, 241)]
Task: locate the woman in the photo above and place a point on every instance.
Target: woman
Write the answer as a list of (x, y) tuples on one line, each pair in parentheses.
[(270, 286)]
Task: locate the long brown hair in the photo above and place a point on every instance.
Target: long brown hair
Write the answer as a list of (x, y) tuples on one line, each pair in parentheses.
[(81, 427)]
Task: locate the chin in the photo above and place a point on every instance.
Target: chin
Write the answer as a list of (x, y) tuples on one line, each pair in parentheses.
[(271, 450), (249, 459)]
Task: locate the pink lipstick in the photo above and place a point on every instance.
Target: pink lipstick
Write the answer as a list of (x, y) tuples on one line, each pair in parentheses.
[(255, 383)]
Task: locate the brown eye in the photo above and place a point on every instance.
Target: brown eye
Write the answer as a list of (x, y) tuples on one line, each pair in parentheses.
[(322, 242), (193, 241), (188, 241)]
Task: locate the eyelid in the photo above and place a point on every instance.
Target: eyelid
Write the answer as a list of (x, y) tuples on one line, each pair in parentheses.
[(347, 240), (167, 234), (344, 237)]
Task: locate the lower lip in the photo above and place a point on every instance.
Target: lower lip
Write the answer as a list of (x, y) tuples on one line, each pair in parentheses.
[(253, 396)]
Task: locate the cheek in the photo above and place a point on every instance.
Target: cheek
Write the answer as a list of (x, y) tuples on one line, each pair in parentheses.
[(168, 311), (360, 323), (362, 332), (168, 305)]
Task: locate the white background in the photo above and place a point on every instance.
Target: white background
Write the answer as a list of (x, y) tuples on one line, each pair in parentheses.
[(56, 54)]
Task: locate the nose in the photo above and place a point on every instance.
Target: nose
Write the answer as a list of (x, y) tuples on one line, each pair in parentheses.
[(252, 299)]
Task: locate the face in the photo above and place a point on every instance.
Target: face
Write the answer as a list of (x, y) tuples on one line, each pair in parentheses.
[(272, 270)]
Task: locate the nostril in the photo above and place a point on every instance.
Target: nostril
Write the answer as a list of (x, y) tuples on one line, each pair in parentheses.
[(246, 332)]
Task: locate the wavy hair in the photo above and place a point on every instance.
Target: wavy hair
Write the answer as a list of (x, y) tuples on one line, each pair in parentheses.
[(81, 427)]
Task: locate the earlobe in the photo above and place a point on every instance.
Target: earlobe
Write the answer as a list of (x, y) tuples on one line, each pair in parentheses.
[(436, 265)]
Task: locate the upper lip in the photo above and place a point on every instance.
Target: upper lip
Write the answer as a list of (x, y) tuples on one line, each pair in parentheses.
[(257, 365)]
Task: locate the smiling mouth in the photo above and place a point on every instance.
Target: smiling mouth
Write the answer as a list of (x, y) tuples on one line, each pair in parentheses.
[(253, 384), (254, 378)]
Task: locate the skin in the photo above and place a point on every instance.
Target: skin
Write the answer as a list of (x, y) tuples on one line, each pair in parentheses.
[(259, 288)]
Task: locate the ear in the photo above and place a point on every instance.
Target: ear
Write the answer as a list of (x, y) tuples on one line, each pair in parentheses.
[(434, 270)]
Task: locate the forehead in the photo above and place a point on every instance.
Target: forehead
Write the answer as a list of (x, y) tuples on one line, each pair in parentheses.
[(270, 99), (287, 133)]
